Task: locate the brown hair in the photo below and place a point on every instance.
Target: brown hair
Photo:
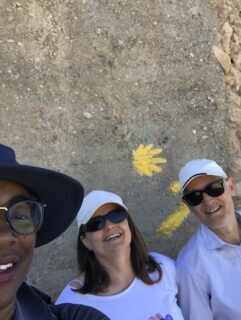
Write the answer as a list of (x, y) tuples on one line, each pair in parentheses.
[(96, 279)]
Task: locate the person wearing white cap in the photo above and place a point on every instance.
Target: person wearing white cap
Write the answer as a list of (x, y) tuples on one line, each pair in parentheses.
[(117, 274), (209, 265)]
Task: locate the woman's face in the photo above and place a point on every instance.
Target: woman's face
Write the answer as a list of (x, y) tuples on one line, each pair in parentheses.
[(16, 251), (112, 239)]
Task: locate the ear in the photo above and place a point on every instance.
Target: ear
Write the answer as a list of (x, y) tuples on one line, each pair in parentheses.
[(231, 186), (185, 202), (85, 242)]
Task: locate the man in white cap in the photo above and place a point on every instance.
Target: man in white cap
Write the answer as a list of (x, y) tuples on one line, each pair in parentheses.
[(209, 265)]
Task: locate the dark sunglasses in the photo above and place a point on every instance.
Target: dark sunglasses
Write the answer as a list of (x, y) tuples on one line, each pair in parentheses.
[(98, 223), (24, 216), (213, 189)]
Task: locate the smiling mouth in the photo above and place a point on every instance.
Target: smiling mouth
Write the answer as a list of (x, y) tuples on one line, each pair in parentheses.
[(214, 210), (5, 268), (113, 236)]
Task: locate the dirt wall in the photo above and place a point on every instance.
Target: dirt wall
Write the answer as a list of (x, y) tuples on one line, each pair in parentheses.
[(120, 94)]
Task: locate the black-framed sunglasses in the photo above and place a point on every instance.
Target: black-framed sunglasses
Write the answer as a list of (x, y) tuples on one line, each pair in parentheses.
[(213, 189), (24, 216), (98, 223)]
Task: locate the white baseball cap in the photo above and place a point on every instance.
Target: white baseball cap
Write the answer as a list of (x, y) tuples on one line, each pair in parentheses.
[(94, 200), (199, 167)]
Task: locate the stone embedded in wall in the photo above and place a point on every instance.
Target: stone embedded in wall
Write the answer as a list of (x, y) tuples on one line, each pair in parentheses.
[(228, 53), (235, 115), (234, 142), (236, 79), (226, 35), (238, 188), (223, 58), (237, 60), (234, 99)]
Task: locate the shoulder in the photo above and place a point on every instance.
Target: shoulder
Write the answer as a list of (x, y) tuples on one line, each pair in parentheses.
[(68, 294), (67, 311), (193, 260), (27, 291), (190, 250), (167, 264), (162, 259)]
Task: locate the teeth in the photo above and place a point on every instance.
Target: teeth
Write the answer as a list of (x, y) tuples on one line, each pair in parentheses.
[(6, 266), (113, 236), (213, 210)]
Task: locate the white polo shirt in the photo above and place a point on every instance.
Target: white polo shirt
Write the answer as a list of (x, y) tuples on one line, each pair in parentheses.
[(209, 277)]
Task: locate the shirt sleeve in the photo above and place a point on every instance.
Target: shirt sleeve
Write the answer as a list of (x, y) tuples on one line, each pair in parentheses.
[(68, 311), (193, 296)]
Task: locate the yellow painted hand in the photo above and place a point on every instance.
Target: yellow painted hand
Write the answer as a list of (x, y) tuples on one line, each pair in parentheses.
[(145, 160)]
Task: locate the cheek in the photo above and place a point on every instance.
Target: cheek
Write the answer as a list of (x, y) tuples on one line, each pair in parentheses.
[(28, 244), (90, 239), (125, 225), (198, 211)]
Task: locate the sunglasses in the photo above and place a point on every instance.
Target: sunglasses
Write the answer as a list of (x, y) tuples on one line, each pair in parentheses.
[(213, 189), (98, 223), (24, 216)]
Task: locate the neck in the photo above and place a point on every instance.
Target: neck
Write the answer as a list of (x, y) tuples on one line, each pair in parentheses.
[(120, 271), (7, 310), (230, 233)]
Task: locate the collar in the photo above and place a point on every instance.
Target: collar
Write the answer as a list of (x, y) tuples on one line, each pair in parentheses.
[(17, 313), (30, 306), (211, 240)]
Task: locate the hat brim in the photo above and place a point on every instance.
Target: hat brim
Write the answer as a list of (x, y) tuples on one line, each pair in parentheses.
[(199, 175), (62, 195)]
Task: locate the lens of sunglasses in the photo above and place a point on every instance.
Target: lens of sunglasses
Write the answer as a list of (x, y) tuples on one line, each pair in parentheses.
[(25, 217), (214, 189), (98, 223)]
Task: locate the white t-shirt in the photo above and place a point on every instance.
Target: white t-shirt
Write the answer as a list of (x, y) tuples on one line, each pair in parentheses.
[(209, 278), (139, 301)]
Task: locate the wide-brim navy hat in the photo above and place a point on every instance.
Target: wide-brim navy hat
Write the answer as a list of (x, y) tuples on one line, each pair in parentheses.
[(62, 194)]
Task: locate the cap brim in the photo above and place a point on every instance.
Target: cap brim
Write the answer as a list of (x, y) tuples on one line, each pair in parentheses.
[(106, 202), (199, 175), (62, 195)]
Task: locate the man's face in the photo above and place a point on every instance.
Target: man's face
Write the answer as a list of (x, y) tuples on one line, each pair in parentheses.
[(16, 251), (215, 212)]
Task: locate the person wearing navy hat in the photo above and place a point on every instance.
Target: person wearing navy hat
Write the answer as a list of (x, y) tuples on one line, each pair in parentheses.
[(36, 206), (209, 265)]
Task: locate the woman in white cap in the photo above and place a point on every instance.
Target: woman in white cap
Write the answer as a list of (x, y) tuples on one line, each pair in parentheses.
[(117, 275)]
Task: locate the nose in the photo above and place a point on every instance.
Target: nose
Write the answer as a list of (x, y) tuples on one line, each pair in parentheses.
[(207, 198), (108, 223)]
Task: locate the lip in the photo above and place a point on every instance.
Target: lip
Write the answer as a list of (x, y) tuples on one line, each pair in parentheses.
[(8, 274), (9, 259), (217, 209), (113, 237)]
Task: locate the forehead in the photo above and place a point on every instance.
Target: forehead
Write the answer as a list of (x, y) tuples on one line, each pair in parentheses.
[(200, 182), (107, 207), (9, 189)]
